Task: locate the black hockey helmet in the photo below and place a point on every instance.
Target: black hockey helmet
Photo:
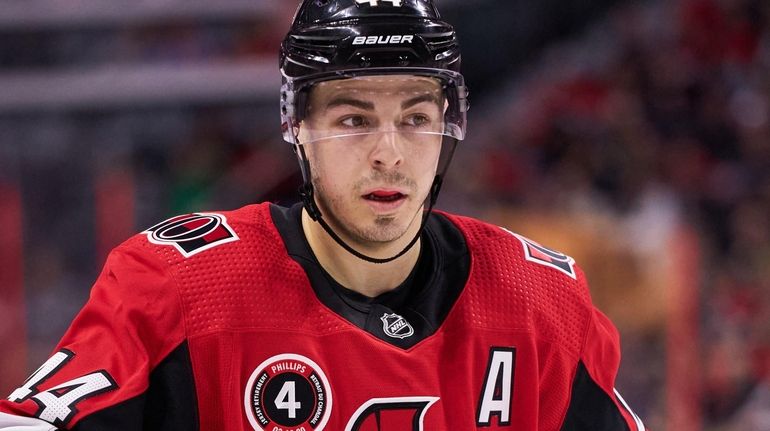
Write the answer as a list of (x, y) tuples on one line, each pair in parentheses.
[(333, 39), (347, 39)]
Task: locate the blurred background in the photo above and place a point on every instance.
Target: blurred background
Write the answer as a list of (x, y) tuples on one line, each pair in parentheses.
[(632, 135)]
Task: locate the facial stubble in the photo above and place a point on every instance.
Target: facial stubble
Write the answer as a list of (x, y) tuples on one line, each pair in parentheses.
[(385, 228)]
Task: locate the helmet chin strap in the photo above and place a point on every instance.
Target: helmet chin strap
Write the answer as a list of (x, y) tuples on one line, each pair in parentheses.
[(308, 200)]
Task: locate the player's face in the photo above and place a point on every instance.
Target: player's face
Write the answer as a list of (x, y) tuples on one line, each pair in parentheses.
[(373, 144)]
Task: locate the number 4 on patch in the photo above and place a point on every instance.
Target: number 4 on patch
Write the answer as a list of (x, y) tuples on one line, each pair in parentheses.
[(287, 399), (57, 404)]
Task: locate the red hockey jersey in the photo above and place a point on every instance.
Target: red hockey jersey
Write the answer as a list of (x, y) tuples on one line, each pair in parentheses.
[(207, 322)]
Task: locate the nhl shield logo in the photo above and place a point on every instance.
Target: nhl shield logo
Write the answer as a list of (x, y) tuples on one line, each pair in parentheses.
[(396, 326)]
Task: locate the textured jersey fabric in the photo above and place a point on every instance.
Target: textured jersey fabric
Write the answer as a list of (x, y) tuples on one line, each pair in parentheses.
[(223, 331)]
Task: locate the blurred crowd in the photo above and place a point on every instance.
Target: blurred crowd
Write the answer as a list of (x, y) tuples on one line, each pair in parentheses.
[(658, 118), (178, 40), (662, 111)]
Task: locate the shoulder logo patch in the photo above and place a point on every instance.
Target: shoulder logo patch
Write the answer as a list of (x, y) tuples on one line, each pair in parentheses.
[(288, 392), (192, 233), (540, 255)]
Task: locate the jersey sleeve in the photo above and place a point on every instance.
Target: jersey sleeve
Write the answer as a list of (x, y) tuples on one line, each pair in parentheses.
[(595, 404), (99, 375)]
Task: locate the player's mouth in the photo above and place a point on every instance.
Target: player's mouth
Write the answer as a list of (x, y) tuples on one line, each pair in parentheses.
[(384, 200)]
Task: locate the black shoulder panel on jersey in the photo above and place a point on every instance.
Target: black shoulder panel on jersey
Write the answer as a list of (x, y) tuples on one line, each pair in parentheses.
[(170, 403), (590, 408)]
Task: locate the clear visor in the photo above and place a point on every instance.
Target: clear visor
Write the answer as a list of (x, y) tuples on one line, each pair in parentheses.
[(408, 107)]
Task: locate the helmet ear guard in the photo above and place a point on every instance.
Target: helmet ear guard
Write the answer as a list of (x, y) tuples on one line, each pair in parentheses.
[(293, 109)]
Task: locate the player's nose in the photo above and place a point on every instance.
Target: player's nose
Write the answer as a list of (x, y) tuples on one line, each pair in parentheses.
[(387, 153)]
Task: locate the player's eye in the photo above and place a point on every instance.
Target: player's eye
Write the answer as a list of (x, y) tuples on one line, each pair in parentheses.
[(417, 120), (355, 121)]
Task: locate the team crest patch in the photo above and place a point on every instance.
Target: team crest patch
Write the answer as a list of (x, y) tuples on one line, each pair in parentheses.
[(540, 255), (396, 326), (400, 414), (288, 392), (192, 233)]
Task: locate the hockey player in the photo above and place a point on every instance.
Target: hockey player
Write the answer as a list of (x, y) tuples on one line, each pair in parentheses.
[(359, 309)]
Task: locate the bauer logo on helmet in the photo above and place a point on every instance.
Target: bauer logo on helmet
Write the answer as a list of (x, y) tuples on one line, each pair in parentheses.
[(383, 40), (396, 3)]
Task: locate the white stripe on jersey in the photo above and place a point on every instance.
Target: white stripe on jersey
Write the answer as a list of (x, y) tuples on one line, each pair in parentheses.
[(639, 424)]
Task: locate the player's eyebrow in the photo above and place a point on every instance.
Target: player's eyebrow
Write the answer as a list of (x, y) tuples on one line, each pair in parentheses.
[(426, 97), (341, 101)]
